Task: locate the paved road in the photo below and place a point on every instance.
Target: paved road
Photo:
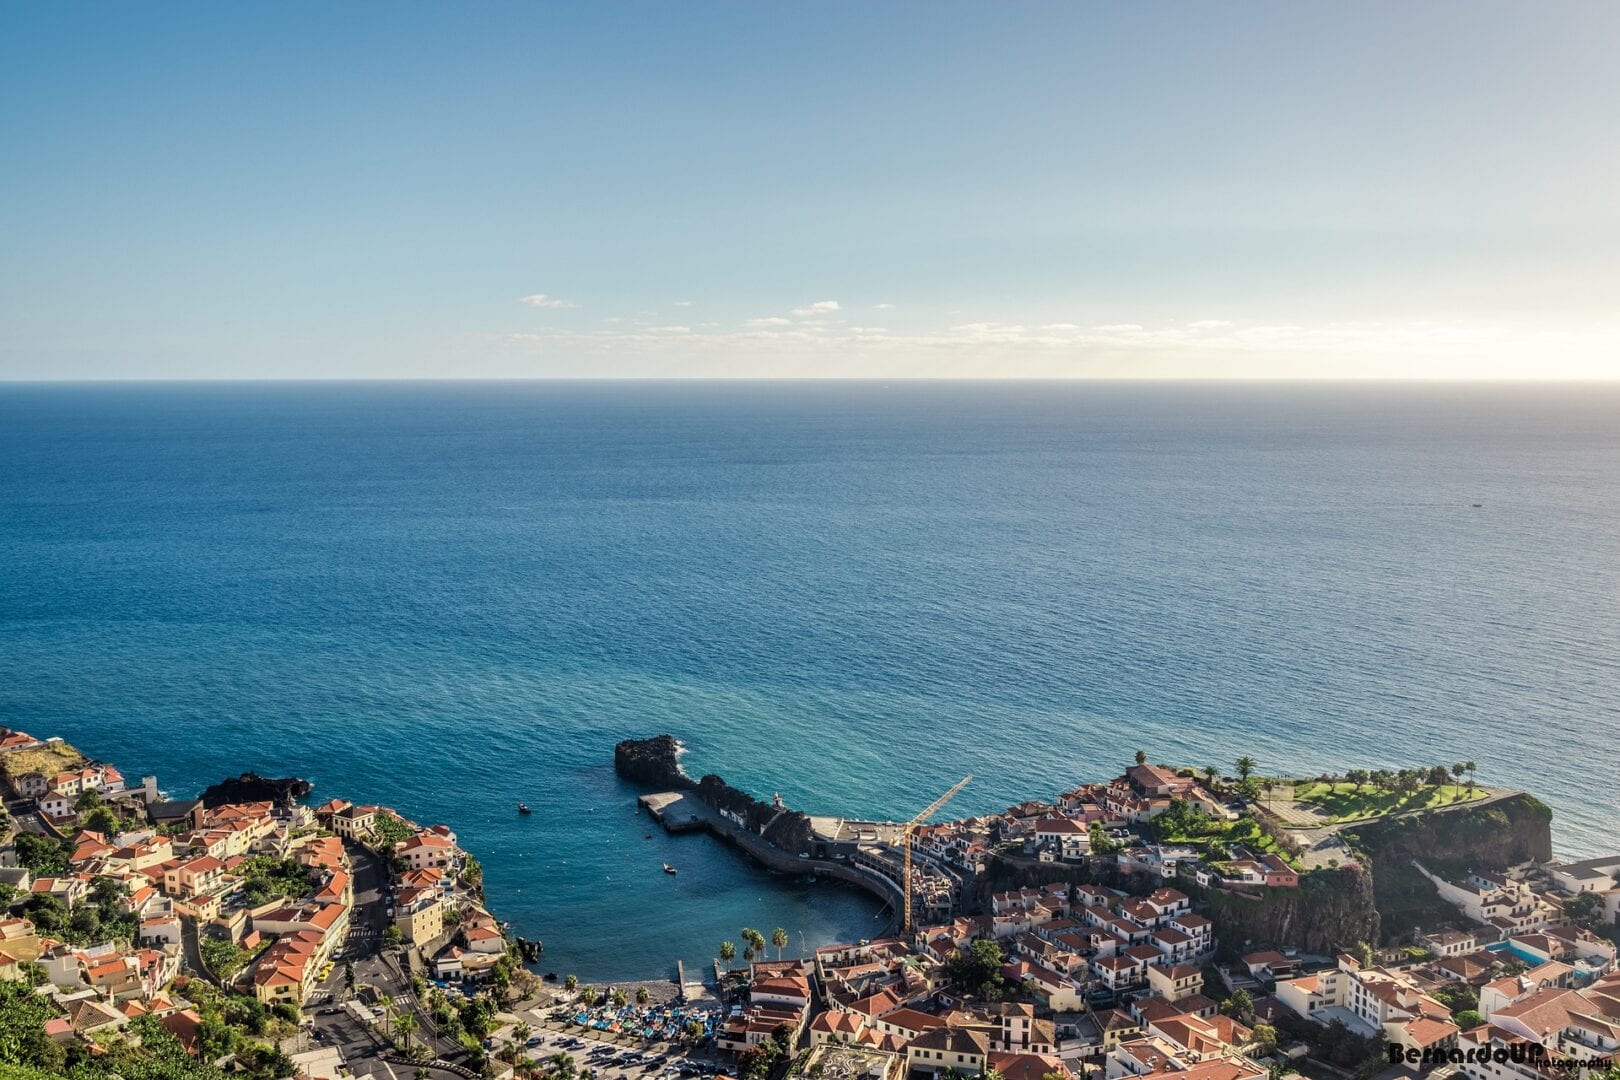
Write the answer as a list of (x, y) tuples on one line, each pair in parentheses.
[(363, 949)]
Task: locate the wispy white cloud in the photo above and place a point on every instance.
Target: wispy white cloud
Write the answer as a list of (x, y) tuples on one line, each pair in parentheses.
[(683, 303), (882, 307), (820, 307), (1256, 349), (1210, 324), (541, 300)]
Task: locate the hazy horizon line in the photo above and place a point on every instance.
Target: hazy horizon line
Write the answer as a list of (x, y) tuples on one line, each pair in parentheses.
[(1505, 380)]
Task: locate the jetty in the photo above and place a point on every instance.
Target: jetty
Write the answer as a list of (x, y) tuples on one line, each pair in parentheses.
[(684, 812)]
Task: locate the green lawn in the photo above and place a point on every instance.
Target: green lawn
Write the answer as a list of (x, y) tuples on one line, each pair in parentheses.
[(1345, 803), (1245, 831)]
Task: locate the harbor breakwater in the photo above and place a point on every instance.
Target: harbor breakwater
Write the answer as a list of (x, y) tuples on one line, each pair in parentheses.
[(775, 836)]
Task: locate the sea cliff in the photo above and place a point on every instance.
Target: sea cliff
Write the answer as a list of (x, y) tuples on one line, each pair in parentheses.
[(1498, 834)]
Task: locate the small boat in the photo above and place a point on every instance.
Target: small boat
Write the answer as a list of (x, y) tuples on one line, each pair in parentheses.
[(523, 808), (668, 869), (648, 836)]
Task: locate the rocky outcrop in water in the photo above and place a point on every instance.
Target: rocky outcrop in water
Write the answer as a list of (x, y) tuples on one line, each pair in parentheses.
[(654, 762), (251, 787)]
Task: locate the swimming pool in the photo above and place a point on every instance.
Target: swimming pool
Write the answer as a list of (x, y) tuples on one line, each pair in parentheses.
[(1508, 947)]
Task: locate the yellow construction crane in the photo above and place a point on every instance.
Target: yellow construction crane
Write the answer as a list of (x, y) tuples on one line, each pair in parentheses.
[(907, 830)]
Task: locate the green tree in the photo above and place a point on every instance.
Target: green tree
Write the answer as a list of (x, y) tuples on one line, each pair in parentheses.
[(1358, 777), (1141, 757), (42, 856), (1469, 765), (619, 998), (642, 995), (1211, 774), (1468, 1019), (728, 952), (406, 1025), (1264, 1037), (103, 820), (1364, 954), (779, 939), (1456, 996), (570, 983), (1239, 1005), (1245, 767), (977, 969), (1585, 910), (392, 935), (23, 1041)]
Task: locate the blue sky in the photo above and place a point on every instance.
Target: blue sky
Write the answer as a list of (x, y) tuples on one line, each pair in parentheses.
[(894, 190)]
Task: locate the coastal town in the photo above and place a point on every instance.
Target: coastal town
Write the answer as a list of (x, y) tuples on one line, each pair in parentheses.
[(1171, 923)]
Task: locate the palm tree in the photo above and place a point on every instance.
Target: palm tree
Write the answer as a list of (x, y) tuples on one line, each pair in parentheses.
[(405, 1025), (1141, 757), (1269, 785), (571, 983), (728, 952), (1245, 767), (779, 938), (620, 999), (643, 995), (1211, 774), (386, 1004), (1469, 765)]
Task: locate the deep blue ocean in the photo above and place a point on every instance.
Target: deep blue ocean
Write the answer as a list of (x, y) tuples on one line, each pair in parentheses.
[(449, 597)]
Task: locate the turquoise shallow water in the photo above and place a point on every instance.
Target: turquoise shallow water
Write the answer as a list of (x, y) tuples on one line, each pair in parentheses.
[(452, 596)]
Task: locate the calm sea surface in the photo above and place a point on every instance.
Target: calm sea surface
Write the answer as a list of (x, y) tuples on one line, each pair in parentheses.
[(449, 597)]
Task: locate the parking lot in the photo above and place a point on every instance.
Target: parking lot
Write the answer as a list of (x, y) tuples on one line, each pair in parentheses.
[(606, 1060)]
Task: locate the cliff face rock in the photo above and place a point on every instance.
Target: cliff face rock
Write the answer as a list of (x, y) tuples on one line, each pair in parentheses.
[(654, 762), (1505, 832), (251, 787), (1331, 911)]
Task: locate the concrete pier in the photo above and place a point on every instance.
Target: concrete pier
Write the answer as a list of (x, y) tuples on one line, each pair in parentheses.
[(683, 811)]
